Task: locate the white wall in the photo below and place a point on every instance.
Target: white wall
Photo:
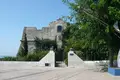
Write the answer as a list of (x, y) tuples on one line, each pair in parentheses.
[(74, 60), (18, 64), (87, 64), (49, 58), (96, 65)]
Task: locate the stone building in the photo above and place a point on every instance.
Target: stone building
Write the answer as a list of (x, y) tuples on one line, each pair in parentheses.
[(52, 32)]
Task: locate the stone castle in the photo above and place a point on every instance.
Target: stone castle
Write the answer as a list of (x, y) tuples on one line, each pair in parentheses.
[(52, 31)]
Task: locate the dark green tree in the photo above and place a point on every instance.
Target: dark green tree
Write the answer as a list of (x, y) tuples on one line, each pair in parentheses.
[(23, 50), (25, 45), (95, 18)]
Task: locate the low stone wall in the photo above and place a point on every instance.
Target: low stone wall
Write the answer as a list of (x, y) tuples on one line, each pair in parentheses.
[(96, 65), (18, 63)]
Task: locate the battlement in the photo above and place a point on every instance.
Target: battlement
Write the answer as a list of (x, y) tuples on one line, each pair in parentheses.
[(49, 32)]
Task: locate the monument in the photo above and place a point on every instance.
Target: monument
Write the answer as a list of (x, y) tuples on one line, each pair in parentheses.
[(118, 30), (49, 59), (118, 59), (116, 71), (74, 60)]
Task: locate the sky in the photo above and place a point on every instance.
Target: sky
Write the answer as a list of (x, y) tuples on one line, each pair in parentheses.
[(15, 14)]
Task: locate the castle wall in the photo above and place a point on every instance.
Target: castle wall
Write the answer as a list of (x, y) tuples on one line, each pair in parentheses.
[(31, 46), (31, 33), (49, 32), (39, 34)]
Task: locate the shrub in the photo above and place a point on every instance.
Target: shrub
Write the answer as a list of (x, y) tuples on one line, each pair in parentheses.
[(66, 61), (8, 58), (36, 56)]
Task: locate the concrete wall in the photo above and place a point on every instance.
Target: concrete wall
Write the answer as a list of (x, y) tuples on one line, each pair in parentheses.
[(74, 60), (88, 64), (96, 65), (20, 64), (49, 59)]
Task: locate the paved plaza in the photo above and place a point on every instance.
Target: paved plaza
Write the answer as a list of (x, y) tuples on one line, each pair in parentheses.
[(35, 72)]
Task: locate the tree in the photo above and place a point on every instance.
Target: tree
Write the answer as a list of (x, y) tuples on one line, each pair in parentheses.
[(96, 18), (23, 50), (25, 44)]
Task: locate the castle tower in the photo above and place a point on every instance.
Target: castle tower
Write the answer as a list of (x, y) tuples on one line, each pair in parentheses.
[(52, 31)]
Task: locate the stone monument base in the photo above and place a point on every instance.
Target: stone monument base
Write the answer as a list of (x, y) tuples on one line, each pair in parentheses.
[(114, 71)]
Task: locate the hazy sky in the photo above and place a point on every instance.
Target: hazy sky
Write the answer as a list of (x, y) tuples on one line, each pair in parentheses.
[(15, 14)]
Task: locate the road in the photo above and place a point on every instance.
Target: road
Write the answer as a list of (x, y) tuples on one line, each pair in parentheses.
[(19, 72)]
